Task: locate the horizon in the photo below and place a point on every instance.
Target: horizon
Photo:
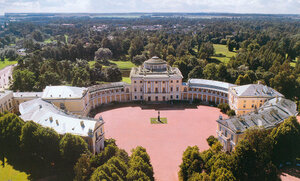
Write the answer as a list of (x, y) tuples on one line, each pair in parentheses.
[(154, 6)]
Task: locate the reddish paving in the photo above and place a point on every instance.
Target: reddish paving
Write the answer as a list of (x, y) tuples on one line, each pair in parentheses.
[(165, 143)]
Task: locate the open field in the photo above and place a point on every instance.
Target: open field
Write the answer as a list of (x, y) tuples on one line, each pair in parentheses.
[(121, 64), (222, 49), (66, 38), (9, 173), (6, 63), (165, 143)]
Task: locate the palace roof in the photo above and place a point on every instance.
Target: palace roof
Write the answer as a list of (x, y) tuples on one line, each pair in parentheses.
[(211, 84), (272, 113), (255, 90), (64, 92), (47, 115)]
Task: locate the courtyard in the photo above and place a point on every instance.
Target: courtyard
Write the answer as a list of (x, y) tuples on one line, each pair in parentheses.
[(165, 143)]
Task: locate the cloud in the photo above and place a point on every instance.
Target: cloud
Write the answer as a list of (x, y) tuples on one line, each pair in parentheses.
[(107, 6)]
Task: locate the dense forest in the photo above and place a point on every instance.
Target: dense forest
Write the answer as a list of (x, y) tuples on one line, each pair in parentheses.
[(61, 50)]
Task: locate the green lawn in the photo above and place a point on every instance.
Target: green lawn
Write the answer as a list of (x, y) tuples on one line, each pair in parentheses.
[(223, 50), (9, 173), (293, 64), (126, 79), (6, 63), (121, 64), (155, 121), (66, 39)]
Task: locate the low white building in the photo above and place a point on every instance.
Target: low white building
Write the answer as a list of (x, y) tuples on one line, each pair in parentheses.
[(48, 115)]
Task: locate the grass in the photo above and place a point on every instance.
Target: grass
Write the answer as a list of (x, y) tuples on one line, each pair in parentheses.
[(155, 121), (293, 63), (49, 40), (6, 63), (66, 38), (123, 65), (126, 79), (222, 49), (9, 173)]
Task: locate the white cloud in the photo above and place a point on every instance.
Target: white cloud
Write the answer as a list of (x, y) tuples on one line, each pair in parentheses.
[(106, 6)]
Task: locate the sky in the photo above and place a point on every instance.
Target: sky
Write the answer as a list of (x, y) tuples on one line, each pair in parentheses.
[(122, 6)]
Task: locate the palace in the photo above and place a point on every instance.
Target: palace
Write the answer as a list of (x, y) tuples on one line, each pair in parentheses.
[(64, 107)]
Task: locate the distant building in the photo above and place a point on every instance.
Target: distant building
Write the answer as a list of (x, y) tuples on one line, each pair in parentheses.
[(246, 98), (48, 115), (269, 115)]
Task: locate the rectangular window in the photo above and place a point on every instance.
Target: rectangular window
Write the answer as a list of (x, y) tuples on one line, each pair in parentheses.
[(141, 81), (141, 97), (177, 89), (231, 138), (177, 96), (171, 97), (244, 106), (135, 97), (225, 133), (177, 81), (134, 81), (171, 89)]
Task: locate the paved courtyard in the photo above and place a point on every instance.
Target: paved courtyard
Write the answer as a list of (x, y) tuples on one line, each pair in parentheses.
[(165, 143)]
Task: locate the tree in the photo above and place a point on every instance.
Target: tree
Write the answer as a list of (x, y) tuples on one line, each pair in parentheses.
[(82, 168), (113, 74), (243, 80), (37, 35), (286, 141), (196, 72), (252, 157), (103, 54), (136, 47), (191, 163), (211, 140), (48, 78), (23, 80), (71, 147), (114, 169), (182, 67), (222, 174), (139, 59), (210, 71), (230, 113), (41, 145), (10, 131), (139, 165), (206, 50), (224, 107)]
